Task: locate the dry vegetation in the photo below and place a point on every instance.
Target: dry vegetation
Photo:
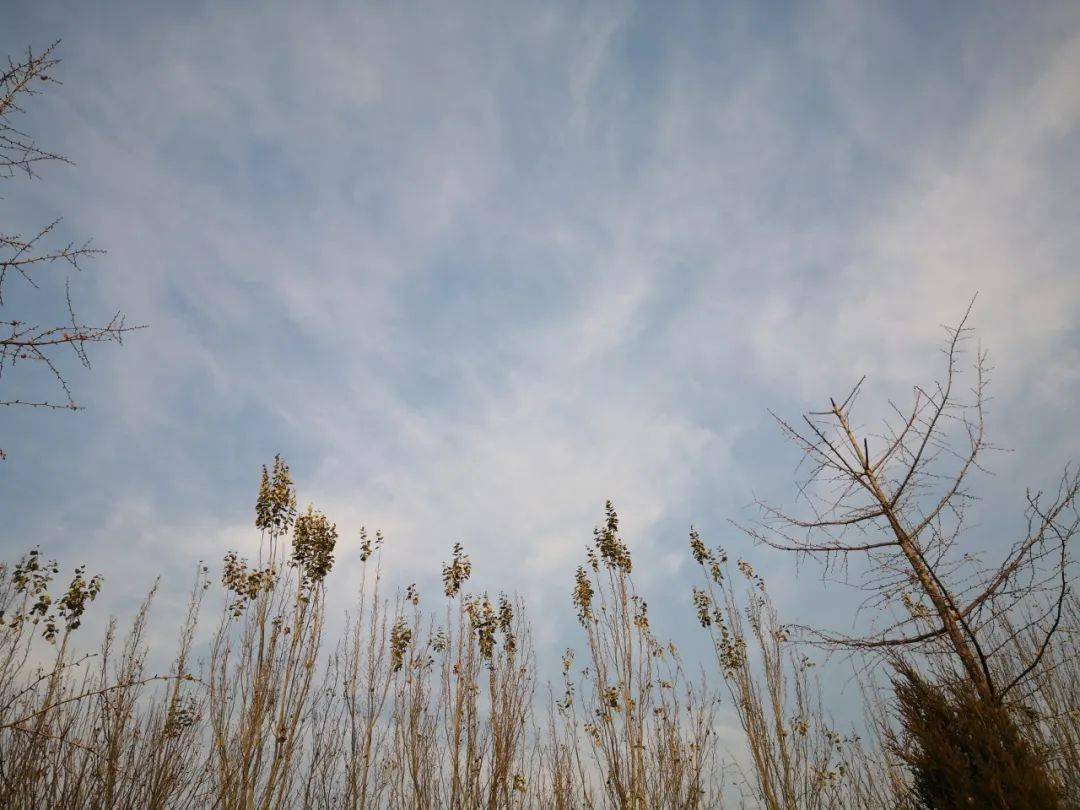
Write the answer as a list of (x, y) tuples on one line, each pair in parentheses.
[(439, 707)]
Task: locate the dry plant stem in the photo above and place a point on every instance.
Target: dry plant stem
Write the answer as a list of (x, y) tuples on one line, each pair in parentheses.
[(649, 730)]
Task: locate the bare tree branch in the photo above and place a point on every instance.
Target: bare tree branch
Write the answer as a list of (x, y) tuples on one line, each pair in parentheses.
[(23, 258), (905, 510)]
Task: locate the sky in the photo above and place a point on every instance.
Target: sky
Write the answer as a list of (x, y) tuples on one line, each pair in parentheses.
[(475, 268)]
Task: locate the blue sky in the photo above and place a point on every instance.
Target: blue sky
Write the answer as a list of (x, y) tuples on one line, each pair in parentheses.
[(475, 268)]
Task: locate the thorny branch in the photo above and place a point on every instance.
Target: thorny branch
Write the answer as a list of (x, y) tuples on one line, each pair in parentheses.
[(24, 257), (907, 508)]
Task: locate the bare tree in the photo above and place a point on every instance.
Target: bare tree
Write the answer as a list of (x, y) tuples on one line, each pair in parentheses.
[(899, 498), (24, 257)]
